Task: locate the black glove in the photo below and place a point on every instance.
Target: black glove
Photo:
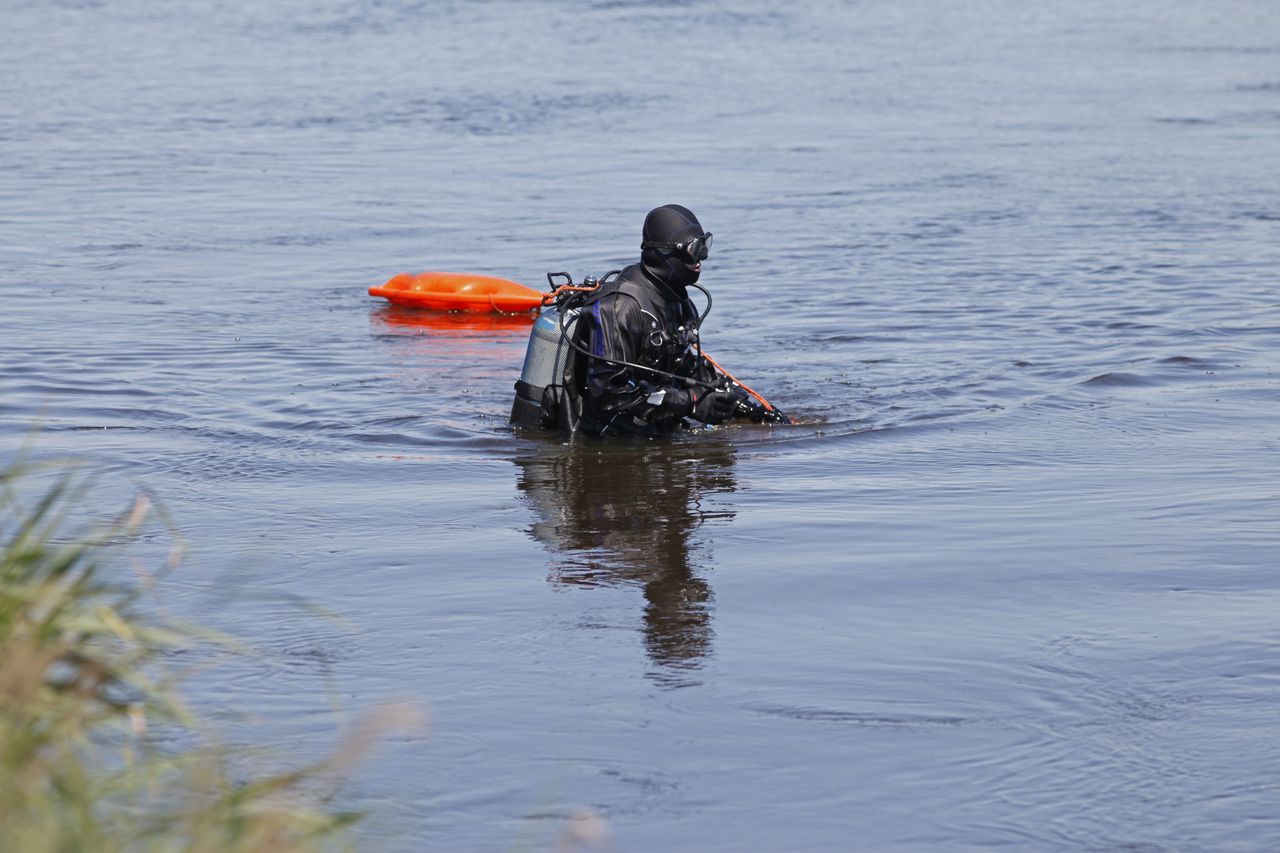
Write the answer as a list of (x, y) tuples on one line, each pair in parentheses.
[(719, 405), (752, 409), (672, 402)]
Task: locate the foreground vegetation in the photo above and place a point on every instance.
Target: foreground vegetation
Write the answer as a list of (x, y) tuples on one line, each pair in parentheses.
[(85, 690)]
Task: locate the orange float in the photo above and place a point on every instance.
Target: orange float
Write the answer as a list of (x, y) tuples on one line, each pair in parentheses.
[(455, 291)]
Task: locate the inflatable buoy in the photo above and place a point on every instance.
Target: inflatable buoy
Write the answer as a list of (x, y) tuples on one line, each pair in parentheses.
[(454, 291)]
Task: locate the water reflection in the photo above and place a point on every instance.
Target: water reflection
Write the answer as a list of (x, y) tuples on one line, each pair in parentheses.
[(395, 319), (447, 351), (627, 514)]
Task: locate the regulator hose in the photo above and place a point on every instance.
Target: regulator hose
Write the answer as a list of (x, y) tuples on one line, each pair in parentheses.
[(686, 380)]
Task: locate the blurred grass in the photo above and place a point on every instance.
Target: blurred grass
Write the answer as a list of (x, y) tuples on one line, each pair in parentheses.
[(84, 684)]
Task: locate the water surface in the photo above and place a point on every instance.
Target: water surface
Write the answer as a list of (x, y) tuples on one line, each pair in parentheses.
[(1011, 583)]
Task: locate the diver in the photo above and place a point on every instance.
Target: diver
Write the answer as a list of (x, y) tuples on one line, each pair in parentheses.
[(622, 356), (645, 315)]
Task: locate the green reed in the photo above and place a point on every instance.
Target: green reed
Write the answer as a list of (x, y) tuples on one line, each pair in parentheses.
[(85, 684)]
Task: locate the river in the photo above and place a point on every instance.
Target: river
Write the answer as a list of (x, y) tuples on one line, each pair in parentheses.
[(1011, 582)]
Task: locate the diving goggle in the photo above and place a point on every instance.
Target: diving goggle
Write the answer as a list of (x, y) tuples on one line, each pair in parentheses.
[(695, 248)]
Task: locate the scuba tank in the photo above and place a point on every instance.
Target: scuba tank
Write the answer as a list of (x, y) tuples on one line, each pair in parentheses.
[(545, 392)]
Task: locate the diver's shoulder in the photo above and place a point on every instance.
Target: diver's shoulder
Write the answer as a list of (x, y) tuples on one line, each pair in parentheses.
[(631, 282), (627, 278), (635, 282)]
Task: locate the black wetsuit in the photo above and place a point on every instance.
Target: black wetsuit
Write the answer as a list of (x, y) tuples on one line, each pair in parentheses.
[(642, 319)]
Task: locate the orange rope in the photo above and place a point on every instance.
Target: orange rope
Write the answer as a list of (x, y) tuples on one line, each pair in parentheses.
[(548, 298), (769, 406)]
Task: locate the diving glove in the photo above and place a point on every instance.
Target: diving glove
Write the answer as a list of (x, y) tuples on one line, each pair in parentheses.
[(720, 404)]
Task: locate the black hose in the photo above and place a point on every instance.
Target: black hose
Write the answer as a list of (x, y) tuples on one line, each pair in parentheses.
[(704, 314), (688, 380)]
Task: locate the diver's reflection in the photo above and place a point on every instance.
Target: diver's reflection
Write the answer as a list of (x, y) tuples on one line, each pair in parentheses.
[(625, 514)]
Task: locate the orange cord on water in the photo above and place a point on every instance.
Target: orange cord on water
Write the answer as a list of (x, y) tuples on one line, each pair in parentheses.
[(769, 406)]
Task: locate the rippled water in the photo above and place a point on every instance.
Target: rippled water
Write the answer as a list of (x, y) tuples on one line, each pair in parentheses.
[(1010, 584)]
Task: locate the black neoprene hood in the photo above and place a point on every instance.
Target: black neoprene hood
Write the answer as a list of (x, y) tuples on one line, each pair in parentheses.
[(670, 223)]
